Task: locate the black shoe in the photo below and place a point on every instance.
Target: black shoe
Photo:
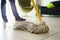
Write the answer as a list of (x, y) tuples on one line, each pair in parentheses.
[(20, 19), (5, 21)]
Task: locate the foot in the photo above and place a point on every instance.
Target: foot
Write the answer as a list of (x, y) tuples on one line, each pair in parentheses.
[(5, 21), (20, 19)]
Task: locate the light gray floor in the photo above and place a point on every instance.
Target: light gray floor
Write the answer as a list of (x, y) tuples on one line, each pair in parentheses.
[(53, 34)]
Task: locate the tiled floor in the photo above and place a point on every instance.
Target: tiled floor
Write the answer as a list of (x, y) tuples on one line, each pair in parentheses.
[(53, 34)]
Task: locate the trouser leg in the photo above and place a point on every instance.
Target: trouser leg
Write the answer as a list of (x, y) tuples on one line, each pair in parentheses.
[(3, 10), (14, 10)]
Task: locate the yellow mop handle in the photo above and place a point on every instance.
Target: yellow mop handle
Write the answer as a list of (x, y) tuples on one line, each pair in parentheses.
[(37, 12)]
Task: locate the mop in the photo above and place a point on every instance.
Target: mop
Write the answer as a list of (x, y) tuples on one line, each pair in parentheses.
[(32, 27), (42, 28)]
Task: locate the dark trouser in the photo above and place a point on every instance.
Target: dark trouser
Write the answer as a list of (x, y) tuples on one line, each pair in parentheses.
[(3, 9)]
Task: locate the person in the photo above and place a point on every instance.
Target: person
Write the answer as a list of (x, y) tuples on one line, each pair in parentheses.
[(14, 10)]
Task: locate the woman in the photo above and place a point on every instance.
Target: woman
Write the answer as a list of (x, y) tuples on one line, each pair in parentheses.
[(14, 10)]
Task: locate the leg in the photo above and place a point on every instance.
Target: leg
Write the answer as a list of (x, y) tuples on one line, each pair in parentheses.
[(12, 2), (3, 10)]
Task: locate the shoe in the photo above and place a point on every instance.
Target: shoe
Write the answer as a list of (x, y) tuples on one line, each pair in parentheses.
[(5, 21), (4, 24), (20, 19)]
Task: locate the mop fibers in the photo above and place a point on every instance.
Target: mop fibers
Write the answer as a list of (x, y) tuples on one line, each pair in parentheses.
[(31, 27)]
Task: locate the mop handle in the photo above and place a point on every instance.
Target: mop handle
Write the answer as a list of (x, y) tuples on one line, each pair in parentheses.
[(37, 12)]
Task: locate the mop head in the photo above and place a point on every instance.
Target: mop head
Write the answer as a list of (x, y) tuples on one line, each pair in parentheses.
[(31, 27)]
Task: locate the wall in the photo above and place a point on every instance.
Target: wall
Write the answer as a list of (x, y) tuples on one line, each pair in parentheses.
[(44, 2)]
